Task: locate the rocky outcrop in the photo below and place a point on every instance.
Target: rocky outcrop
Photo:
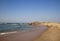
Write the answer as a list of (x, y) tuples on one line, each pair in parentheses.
[(50, 24)]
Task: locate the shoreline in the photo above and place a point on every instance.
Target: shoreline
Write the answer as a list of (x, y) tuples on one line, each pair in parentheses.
[(23, 36), (11, 32)]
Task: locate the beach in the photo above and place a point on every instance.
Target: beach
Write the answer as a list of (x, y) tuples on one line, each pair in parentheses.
[(29, 20), (45, 32), (29, 35), (52, 34)]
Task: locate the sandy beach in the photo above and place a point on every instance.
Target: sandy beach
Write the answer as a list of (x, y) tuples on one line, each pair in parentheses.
[(52, 34), (23, 36)]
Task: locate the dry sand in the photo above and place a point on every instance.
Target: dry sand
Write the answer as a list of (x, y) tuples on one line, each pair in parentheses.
[(23, 36), (52, 34)]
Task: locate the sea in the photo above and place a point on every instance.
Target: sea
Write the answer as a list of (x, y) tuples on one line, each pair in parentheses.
[(14, 27)]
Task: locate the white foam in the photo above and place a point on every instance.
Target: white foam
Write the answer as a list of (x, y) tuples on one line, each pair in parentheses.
[(8, 33)]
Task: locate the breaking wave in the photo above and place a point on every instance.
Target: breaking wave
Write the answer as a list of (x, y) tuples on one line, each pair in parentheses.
[(7, 33)]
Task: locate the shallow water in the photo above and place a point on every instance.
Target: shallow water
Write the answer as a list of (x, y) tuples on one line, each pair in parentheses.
[(9, 27), (30, 34)]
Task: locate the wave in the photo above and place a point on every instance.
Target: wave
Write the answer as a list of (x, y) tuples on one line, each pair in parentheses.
[(4, 33)]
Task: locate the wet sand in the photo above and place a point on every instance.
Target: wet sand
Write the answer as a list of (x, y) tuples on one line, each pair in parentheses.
[(24, 36)]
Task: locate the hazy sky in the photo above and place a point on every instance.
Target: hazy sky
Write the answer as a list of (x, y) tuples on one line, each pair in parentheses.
[(29, 10)]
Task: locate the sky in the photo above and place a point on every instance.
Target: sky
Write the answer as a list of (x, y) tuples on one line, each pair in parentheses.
[(29, 10)]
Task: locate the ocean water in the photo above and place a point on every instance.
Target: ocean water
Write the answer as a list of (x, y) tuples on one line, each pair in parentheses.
[(11, 27), (14, 28)]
